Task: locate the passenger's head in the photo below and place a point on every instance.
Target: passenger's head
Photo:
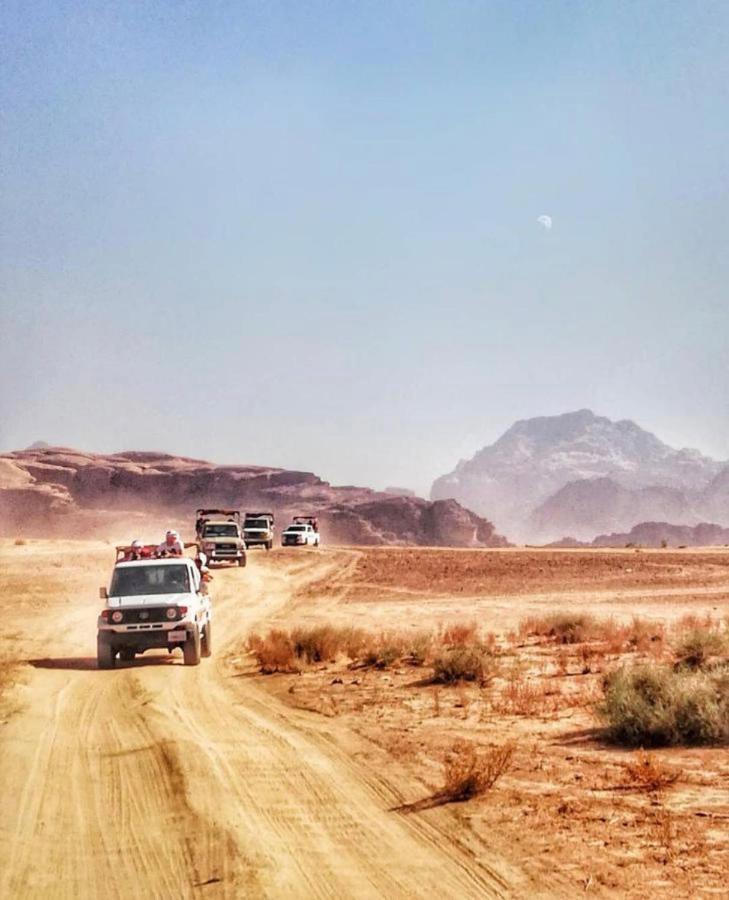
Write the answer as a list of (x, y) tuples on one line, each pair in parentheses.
[(136, 546), (171, 537)]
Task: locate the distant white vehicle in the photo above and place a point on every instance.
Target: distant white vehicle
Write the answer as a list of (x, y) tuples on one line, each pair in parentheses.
[(303, 531), (154, 603)]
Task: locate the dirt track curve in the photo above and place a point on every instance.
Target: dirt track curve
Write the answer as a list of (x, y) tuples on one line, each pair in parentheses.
[(156, 780)]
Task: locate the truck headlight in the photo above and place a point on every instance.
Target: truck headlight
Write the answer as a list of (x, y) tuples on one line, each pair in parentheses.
[(117, 616), (171, 612)]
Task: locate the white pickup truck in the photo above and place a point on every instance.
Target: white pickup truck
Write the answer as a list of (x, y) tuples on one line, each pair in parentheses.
[(154, 603), (301, 533)]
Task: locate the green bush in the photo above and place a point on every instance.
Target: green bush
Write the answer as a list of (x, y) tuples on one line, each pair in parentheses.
[(652, 705)]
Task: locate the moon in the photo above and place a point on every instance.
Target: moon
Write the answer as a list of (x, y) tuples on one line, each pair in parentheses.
[(545, 222)]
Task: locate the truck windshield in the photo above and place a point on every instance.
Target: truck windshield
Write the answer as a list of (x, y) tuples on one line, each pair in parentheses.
[(257, 523), (223, 529), (137, 580), (297, 527)]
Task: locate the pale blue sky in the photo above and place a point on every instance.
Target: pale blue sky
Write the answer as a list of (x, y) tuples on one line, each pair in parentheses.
[(305, 234)]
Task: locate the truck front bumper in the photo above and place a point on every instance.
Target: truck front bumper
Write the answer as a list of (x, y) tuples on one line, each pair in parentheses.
[(147, 638)]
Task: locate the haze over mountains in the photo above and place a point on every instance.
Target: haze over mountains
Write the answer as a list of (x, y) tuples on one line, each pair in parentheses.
[(576, 475), (581, 475)]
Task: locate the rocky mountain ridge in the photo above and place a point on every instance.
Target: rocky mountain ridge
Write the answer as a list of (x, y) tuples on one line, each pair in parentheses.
[(58, 491)]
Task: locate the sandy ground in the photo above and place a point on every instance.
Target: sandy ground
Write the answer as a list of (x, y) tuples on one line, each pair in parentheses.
[(160, 780)]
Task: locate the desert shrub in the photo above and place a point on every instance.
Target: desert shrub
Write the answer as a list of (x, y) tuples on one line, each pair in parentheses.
[(701, 647), (274, 652), (418, 647), (456, 664), (563, 628), (20, 542), (469, 772), (654, 705), (643, 634), (646, 773), (525, 698), (316, 644), (459, 634)]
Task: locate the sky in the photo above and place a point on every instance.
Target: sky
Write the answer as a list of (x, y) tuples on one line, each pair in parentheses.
[(361, 238)]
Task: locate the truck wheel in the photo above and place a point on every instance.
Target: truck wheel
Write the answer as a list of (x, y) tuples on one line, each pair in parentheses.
[(191, 649), (242, 562), (104, 655), (206, 643), (269, 545), (126, 655)]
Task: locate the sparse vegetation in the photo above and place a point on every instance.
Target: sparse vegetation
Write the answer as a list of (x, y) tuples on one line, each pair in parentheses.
[(702, 648), (647, 773), (470, 772), (455, 654), (656, 705), (455, 664)]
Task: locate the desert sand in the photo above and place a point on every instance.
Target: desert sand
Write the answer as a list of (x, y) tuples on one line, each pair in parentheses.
[(217, 781)]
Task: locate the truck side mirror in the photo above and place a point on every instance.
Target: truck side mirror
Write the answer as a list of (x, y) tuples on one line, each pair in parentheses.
[(103, 594)]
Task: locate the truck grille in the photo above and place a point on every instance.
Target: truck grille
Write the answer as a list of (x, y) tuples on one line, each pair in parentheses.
[(148, 614), (226, 548)]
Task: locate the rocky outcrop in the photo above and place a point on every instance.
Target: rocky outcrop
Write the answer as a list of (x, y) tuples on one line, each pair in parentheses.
[(663, 534), (550, 476), (59, 491)]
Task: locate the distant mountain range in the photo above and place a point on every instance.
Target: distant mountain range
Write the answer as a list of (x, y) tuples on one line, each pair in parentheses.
[(581, 475)]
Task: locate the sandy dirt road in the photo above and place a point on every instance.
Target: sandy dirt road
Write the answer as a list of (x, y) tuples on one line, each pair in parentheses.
[(156, 780)]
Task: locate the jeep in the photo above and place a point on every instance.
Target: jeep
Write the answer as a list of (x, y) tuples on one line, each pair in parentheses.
[(154, 604), (258, 530), (220, 536)]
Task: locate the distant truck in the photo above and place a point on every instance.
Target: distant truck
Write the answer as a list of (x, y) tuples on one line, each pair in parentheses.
[(303, 531), (220, 535), (154, 603), (258, 529)]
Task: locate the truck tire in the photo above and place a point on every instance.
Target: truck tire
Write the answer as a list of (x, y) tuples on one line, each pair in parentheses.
[(104, 655), (206, 642), (191, 649), (242, 562), (127, 655), (269, 545)]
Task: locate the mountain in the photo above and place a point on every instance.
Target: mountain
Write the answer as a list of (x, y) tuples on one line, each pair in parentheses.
[(520, 478), (63, 492), (581, 508)]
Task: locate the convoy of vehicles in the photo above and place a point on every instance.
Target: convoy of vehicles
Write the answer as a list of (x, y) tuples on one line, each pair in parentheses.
[(158, 597), (220, 535), (258, 529), (152, 604), (303, 531)]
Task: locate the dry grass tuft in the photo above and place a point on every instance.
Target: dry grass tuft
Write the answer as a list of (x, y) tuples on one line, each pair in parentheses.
[(702, 648), (462, 663), (469, 772), (459, 634), (274, 652), (646, 773)]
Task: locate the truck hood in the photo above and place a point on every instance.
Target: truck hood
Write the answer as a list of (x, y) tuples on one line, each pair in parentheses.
[(151, 600)]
